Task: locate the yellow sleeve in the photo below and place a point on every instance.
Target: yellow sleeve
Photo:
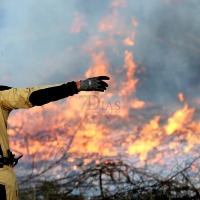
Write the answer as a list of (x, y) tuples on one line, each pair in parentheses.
[(16, 98)]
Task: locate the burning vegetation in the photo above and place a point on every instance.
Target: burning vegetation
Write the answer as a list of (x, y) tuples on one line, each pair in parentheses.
[(114, 145)]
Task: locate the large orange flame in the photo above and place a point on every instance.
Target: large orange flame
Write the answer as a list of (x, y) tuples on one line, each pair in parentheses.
[(47, 130), (78, 23)]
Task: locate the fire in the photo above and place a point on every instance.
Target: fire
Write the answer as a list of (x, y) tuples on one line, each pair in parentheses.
[(179, 119), (70, 160), (181, 97), (78, 23), (109, 23), (100, 65), (137, 104), (91, 139), (74, 167), (129, 86), (147, 140), (192, 135), (128, 42), (134, 22), (131, 131)]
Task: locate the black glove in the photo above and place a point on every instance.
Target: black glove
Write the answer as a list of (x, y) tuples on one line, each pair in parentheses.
[(94, 84)]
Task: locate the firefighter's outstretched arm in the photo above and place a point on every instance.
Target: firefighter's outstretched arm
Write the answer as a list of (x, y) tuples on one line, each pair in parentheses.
[(49, 94), (41, 97), (14, 98)]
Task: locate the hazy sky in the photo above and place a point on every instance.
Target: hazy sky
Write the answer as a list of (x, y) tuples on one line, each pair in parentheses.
[(47, 42)]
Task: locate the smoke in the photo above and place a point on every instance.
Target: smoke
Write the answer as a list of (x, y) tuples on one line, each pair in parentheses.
[(150, 49), (166, 44), (37, 39)]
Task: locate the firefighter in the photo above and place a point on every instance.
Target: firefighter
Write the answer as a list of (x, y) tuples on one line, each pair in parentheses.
[(15, 98)]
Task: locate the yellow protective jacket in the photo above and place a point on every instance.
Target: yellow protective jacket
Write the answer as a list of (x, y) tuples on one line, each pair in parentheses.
[(15, 98)]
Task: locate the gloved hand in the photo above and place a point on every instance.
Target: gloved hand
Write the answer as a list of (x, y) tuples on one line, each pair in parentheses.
[(94, 84)]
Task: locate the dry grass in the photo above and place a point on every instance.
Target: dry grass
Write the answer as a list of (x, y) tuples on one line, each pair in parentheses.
[(116, 180)]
